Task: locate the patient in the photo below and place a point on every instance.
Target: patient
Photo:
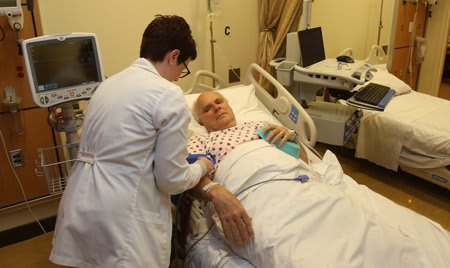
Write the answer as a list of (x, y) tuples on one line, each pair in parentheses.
[(213, 112), (292, 224)]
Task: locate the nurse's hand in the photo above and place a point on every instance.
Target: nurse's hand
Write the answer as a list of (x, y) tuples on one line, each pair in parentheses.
[(236, 223), (209, 164)]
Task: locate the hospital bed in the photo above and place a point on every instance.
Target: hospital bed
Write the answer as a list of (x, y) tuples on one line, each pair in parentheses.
[(310, 224), (413, 133)]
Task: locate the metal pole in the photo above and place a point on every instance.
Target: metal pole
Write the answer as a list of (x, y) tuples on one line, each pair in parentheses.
[(212, 41), (70, 126), (380, 25)]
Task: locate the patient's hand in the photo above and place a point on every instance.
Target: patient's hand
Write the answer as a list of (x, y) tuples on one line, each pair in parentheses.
[(236, 224), (278, 133)]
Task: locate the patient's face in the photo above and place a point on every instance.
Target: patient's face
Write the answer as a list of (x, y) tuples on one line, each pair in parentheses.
[(213, 111)]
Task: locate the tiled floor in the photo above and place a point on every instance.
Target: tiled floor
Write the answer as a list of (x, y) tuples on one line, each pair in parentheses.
[(404, 189)]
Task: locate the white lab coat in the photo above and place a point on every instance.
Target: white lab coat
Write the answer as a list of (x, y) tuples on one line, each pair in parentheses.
[(115, 211)]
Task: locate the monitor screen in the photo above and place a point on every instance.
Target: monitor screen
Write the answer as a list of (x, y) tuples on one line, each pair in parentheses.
[(10, 7), (311, 46), (8, 3), (62, 68)]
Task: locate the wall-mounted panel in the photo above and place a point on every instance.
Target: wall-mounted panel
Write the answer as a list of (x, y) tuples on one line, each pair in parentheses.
[(24, 131)]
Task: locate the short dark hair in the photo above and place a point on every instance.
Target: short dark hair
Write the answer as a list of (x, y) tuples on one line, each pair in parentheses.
[(166, 33)]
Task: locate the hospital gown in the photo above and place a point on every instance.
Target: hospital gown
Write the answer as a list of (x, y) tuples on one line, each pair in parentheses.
[(220, 143)]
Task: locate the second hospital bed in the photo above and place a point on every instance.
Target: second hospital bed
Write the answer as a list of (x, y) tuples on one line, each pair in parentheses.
[(413, 133), (311, 224)]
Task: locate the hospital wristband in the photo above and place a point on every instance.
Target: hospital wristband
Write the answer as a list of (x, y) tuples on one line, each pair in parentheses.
[(208, 186)]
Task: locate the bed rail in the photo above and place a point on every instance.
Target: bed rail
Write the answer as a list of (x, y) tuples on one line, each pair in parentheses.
[(284, 106), (199, 86), (375, 56)]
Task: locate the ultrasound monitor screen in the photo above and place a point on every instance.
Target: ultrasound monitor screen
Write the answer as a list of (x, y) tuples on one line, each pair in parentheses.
[(57, 65), (311, 46)]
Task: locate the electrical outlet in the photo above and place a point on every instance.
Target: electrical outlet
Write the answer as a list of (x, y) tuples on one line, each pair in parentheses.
[(234, 75), (16, 157)]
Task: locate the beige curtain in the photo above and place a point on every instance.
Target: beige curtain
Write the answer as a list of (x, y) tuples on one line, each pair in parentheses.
[(276, 19)]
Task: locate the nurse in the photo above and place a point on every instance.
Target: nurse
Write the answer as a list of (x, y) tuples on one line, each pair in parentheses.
[(115, 211)]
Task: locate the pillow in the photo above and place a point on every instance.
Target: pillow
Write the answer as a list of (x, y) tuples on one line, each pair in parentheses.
[(242, 100)]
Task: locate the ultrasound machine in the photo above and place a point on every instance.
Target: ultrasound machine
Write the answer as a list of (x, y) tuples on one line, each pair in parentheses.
[(305, 71)]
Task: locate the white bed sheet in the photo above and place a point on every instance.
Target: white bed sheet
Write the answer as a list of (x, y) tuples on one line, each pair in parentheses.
[(329, 221), (415, 124), (331, 215)]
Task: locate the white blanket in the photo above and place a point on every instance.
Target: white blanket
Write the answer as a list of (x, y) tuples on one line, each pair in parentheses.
[(415, 122), (329, 221)]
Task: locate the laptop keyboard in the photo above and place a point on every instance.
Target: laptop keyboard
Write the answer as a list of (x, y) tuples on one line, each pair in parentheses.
[(372, 93)]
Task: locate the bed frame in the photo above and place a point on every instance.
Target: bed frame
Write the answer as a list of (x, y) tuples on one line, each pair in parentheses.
[(439, 176)]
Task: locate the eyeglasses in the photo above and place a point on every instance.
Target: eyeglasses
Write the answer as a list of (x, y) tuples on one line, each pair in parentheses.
[(185, 72)]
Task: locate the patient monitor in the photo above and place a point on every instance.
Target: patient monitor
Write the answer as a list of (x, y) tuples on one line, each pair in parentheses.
[(63, 69), (10, 7), (13, 10)]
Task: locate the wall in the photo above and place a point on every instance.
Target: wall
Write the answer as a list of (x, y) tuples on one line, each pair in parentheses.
[(352, 24), (348, 23), (120, 24)]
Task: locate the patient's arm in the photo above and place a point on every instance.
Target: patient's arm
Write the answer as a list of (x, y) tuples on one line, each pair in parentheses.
[(303, 155), (236, 223)]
